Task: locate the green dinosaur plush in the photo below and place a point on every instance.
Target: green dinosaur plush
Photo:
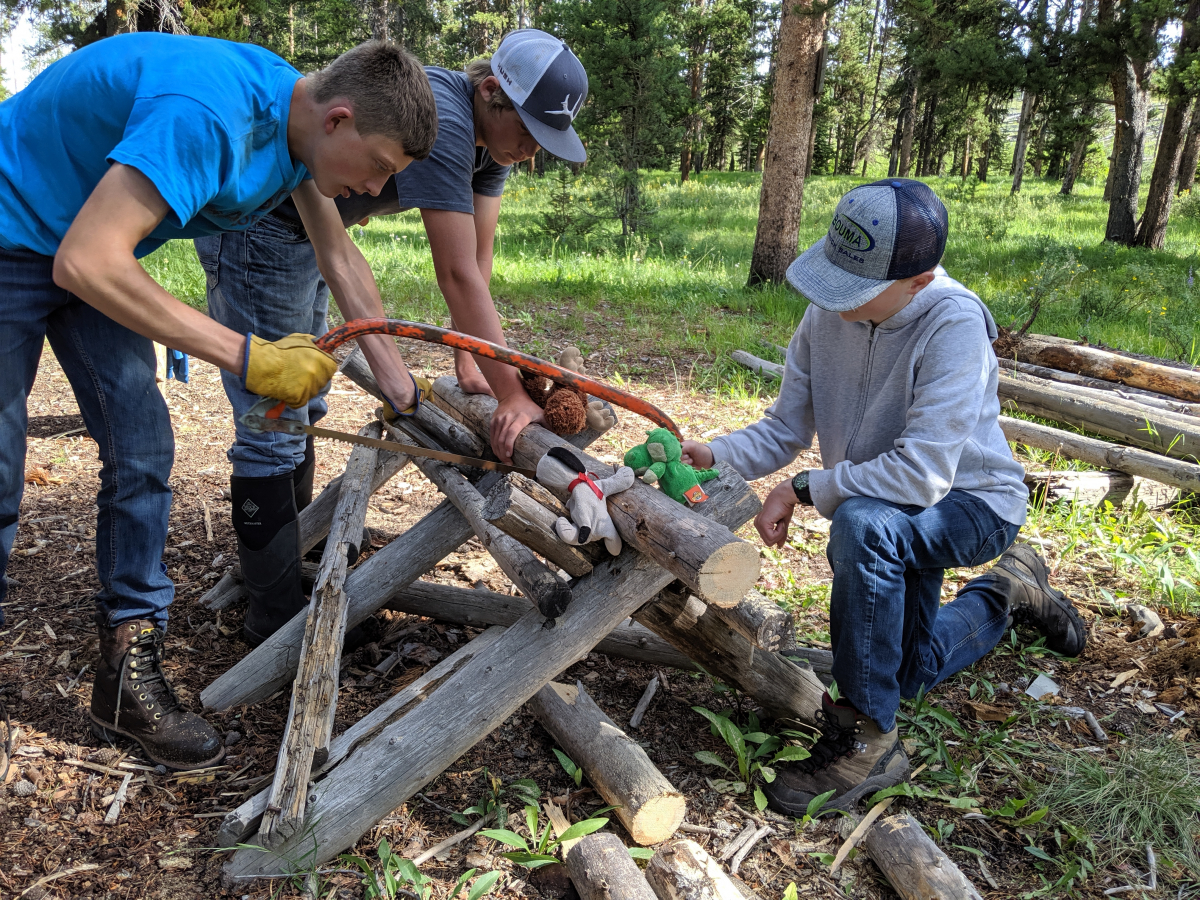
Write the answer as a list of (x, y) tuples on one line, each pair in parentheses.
[(659, 460)]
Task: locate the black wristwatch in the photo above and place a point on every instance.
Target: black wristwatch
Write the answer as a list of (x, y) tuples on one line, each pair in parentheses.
[(800, 486)]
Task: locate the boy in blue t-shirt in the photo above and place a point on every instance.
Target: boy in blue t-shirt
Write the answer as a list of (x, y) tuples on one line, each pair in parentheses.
[(106, 155), (267, 277)]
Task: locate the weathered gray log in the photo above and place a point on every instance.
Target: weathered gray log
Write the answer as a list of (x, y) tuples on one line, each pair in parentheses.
[(314, 692), (1166, 433), (272, 664), (521, 517), (602, 869), (706, 556), (1147, 398), (756, 365), (1097, 488), (1183, 475), (647, 804), (784, 689), (314, 526), (478, 608), (683, 870), (548, 592), (242, 822), (765, 624), (542, 495), (1059, 393), (915, 866), (1069, 356), (408, 752)]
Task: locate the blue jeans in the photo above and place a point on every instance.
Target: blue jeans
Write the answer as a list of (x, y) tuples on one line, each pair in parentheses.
[(265, 281), (111, 371), (890, 632)]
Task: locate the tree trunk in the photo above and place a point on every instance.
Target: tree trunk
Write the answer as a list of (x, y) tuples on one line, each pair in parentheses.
[(1152, 229), (1131, 86), (1191, 153), (1039, 151), (1075, 163), (908, 122), (1029, 105), (379, 20), (602, 869), (789, 135)]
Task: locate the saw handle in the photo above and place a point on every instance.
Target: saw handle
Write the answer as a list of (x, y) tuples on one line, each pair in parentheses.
[(431, 334)]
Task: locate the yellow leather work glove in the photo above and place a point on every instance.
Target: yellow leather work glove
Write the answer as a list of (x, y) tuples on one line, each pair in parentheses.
[(292, 369), (423, 386)]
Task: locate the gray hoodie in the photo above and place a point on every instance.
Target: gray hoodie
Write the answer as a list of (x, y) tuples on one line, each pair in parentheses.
[(906, 410)]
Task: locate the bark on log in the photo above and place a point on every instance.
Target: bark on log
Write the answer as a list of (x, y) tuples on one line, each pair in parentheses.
[(314, 692), (242, 822), (1085, 397), (477, 608), (913, 864), (1159, 431), (764, 624), (1138, 395), (602, 869), (784, 689), (1097, 488), (683, 870), (521, 517), (705, 555), (756, 365), (1184, 475), (1059, 353), (404, 755), (648, 805), (314, 524), (272, 664), (549, 593)]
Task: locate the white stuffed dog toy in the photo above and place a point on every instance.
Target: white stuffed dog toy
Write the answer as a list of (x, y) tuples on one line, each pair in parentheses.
[(563, 470)]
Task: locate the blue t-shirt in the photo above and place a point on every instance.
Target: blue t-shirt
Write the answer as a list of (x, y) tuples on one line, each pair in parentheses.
[(205, 120), (454, 170)]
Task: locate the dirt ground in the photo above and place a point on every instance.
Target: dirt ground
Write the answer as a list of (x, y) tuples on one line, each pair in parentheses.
[(161, 844)]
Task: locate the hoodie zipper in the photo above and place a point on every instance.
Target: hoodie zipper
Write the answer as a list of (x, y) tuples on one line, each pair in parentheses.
[(862, 398)]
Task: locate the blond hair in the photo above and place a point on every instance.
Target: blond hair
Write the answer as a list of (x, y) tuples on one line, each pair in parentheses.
[(388, 90), (479, 69)]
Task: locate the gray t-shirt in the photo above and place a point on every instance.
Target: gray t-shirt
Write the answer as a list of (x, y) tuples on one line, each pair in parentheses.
[(453, 173)]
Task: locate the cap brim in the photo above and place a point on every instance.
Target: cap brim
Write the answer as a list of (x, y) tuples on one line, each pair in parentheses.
[(831, 288), (563, 144)]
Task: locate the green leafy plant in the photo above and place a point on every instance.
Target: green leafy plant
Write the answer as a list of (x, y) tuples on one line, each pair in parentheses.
[(569, 767), (755, 754), (496, 795), (540, 849), (395, 873)]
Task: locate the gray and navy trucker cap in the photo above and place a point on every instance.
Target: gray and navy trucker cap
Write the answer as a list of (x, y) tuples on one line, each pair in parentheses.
[(547, 85), (881, 232)]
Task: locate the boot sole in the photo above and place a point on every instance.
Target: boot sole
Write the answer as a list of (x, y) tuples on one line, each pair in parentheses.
[(849, 800), (110, 735)]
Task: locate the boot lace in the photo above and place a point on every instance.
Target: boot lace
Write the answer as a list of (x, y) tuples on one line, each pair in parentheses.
[(145, 656), (834, 743)]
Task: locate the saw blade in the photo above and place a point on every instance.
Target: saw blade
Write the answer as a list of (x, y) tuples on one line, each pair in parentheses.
[(291, 426)]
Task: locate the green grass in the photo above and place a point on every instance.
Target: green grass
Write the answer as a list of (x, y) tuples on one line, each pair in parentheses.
[(680, 287)]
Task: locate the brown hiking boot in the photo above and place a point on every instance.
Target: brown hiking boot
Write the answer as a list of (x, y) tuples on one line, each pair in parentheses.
[(132, 697), (852, 757), (1022, 577)]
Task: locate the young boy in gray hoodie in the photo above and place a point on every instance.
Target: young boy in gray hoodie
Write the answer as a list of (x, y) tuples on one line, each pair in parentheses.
[(892, 367)]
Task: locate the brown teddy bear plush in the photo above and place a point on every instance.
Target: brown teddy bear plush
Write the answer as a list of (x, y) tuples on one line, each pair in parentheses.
[(567, 409)]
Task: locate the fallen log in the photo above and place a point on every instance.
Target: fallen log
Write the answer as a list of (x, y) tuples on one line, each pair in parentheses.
[(408, 751), (1097, 488), (915, 866), (1069, 356), (602, 869), (478, 608), (683, 870), (784, 689), (756, 365), (517, 514), (1146, 398), (764, 624), (1166, 433), (1183, 475), (314, 692), (1104, 400), (706, 556), (648, 805), (549, 593)]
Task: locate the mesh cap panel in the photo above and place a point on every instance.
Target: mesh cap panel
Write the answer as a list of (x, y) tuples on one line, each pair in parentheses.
[(922, 225)]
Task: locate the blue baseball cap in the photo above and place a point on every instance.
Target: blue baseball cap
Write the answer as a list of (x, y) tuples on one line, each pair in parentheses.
[(881, 233), (547, 84)]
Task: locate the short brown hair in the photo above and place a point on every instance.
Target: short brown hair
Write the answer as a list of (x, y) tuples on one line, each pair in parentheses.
[(389, 92), (479, 69)]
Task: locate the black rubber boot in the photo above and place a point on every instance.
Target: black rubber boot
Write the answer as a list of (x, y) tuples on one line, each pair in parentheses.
[(264, 517), (302, 485), (131, 697)]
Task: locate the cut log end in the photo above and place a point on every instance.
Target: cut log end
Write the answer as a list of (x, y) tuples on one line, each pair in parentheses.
[(657, 819), (729, 574)]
